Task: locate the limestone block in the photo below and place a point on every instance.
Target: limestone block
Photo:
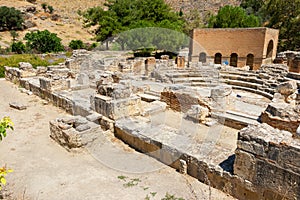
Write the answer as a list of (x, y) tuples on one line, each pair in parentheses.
[(17, 106), (221, 91), (244, 165), (25, 66), (287, 88), (83, 79)]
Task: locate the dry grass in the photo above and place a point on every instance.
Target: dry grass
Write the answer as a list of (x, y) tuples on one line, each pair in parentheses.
[(69, 26)]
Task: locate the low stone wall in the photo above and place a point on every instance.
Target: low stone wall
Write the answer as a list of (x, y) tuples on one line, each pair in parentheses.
[(73, 132)]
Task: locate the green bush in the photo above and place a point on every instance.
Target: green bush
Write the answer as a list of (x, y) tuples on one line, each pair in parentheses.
[(10, 19), (76, 44), (43, 42), (44, 6), (51, 9), (18, 47)]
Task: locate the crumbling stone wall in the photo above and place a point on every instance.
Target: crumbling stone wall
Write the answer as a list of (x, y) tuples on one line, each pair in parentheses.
[(269, 158), (181, 101)]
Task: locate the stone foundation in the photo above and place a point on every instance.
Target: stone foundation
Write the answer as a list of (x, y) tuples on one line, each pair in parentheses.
[(73, 132)]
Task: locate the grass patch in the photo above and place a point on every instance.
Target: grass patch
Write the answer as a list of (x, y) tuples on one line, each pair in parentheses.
[(13, 61)]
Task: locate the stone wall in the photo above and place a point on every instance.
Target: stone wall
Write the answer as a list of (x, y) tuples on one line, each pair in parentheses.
[(269, 158), (265, 165), (181, 101)]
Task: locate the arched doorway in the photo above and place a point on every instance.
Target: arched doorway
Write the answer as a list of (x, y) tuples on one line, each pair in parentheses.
[(202, 57), (250, 60), (233, 59), (218, 58), (270, 49)]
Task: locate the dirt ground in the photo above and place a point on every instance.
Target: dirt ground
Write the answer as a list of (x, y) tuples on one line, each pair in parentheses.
[(45, 170)]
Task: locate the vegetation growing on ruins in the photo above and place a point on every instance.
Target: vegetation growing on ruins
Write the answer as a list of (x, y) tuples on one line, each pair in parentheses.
[(13, 61), (125, 15), (10, 19)]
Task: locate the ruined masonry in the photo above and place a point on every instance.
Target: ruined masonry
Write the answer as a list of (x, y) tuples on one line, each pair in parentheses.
[(234, 129)]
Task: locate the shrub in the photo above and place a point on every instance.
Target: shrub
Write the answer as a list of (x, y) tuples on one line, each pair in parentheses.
[(76, 44), (44, 6), (10, 18), (18, 47), (43, 42), (51, 9)]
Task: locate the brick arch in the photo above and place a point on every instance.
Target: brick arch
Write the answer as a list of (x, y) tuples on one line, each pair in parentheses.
[(250, 60), (270, 49), (218, 58), (202, 57), (234, 59)]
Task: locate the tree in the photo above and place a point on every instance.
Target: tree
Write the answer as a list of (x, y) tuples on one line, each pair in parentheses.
[(233, 17), (10, 19), (76, 44), (125, 15), (18, 47), (284, 15), (43, 42), (252, 6)]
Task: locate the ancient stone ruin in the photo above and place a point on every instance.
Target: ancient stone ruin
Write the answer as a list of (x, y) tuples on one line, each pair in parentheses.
[(234, 129)]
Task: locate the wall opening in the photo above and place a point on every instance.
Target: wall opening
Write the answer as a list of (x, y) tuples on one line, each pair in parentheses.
[(270, 49), (218, 58), (233, 59), (250, 61), (202, 57)]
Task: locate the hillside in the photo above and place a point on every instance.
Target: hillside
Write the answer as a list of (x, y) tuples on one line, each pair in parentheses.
[(68, 25)]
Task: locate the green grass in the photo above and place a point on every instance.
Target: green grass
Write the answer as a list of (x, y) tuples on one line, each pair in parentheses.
[(13, 61)]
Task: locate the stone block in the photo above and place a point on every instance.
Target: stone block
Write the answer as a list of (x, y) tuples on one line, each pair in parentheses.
[(18, 106)]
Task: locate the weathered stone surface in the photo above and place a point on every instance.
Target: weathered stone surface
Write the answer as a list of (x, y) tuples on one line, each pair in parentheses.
[(282, 115), (25, 66), (64, 132), (287, 88), (266, 157), (198, 113), (82, 127), (17, 105), (221, 91)]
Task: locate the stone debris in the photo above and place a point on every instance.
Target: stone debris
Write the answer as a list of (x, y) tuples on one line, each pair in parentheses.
[(18, 106)]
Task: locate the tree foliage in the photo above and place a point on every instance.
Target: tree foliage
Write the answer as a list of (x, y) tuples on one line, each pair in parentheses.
[(10, 19), (43, 42), (125, 15), (282, 15), (76, 44), (233, 17), (18, 47)]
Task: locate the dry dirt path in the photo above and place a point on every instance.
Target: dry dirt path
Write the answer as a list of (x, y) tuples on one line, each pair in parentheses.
[(44, 170)]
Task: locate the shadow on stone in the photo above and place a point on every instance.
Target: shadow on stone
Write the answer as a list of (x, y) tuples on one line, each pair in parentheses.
[(227, 165)]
